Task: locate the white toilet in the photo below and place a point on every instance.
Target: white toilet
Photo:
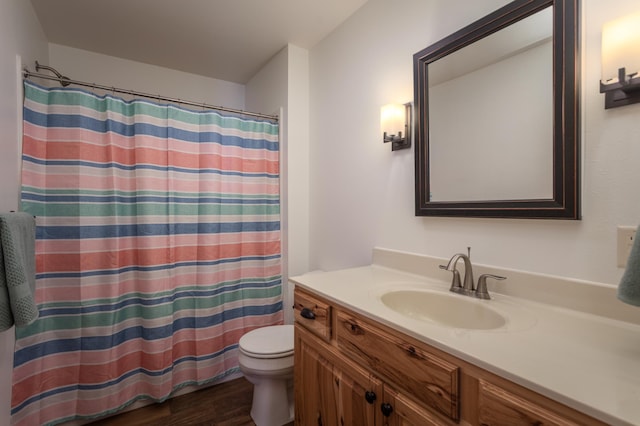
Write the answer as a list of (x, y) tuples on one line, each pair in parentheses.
[(266, 360)]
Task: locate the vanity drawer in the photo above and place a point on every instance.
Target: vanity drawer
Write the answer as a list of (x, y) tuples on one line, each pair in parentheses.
[(431, 380), (500, 407), (312, 313)]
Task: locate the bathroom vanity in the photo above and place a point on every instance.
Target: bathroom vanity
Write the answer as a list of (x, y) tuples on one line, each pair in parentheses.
[(361, 358)]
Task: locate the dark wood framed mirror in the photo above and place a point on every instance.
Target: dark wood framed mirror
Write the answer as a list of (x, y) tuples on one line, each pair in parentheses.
[(497, 116)]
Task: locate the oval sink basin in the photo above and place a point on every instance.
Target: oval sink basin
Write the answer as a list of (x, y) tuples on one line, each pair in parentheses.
[(448, 309)]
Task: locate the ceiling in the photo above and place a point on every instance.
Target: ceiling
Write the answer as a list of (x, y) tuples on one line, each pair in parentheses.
[(225, 39)]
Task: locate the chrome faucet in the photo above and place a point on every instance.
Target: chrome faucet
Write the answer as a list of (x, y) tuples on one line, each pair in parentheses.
[(467, 287)]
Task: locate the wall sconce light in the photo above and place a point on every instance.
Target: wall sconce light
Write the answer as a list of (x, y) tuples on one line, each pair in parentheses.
[(395, 123), (621, 62)]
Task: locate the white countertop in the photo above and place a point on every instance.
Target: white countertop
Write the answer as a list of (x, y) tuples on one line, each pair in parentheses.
[(585, 361)]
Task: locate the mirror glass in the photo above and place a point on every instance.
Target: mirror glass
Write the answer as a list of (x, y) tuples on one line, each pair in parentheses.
[(492, 106), (490, 83)]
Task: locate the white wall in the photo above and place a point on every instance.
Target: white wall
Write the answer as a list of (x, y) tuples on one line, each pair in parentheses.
[(267, 90), (21, 43), (362, 194), (284, 82), (125, 74), (298, 160)]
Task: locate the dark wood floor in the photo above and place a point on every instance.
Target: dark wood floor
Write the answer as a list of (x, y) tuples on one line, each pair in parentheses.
[(226, 404)]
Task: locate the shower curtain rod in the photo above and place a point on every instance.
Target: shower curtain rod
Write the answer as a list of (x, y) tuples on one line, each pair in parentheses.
[(65, 81)]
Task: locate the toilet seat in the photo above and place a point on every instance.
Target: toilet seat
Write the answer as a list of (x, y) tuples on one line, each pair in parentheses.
[(270, 342)]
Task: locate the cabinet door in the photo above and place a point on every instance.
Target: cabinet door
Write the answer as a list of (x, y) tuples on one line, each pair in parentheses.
[(398, 410), (331, 395)]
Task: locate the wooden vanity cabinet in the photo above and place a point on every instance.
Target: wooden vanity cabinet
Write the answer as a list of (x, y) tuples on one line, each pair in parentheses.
[(352, 370)]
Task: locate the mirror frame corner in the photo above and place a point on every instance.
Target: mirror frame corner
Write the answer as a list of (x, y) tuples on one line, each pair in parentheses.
[(565, 203)]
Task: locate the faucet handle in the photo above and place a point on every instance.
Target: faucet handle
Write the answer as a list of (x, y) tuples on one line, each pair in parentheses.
[(481, 289), (456, 284)]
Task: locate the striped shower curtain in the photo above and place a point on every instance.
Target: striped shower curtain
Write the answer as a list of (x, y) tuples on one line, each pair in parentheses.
[(157, 247)]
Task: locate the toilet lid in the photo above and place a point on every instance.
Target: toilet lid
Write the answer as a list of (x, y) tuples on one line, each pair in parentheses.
[(274, 341)]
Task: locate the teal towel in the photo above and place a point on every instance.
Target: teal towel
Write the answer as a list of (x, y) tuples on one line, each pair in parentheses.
[(17, 270), (629, 288)]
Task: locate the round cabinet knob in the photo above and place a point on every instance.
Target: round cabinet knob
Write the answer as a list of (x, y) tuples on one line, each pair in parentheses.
[(307, 313), (386, 409), (370, 397)]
